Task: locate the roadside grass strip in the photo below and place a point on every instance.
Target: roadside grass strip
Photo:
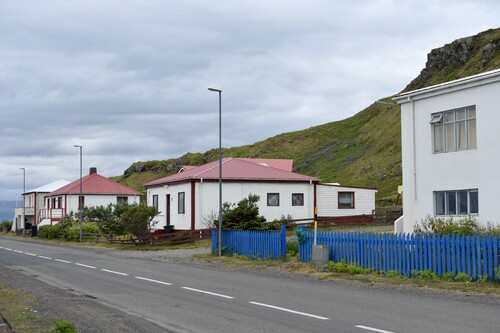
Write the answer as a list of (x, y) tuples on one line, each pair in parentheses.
[(207, 292), (113, 272), (290, 311), (372, 329), (151, 280)]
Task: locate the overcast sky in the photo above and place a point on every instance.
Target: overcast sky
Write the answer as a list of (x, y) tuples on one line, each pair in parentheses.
[(127, 79)]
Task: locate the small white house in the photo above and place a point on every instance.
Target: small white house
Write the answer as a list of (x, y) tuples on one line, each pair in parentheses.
[(96, 191), (451, 150), (189, 200), (33, 201)]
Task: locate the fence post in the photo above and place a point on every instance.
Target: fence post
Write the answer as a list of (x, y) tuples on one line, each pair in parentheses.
[(283, 241)]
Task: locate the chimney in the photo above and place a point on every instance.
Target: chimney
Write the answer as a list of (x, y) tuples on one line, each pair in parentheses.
[(92, 170)]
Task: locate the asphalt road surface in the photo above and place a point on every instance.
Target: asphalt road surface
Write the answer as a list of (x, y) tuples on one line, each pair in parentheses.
[(181, 298)]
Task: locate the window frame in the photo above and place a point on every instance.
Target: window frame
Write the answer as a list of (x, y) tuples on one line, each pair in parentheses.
[(269, 196), (442, 200), (352, 205), (301, 195), (121, 199), (464, 127), (181, 203), (155, 201)]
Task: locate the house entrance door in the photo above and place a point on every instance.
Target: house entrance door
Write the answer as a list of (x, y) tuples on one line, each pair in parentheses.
[(167, 201)]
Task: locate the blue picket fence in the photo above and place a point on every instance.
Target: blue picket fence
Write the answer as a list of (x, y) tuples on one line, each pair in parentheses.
[(475, 255), (252, 244)]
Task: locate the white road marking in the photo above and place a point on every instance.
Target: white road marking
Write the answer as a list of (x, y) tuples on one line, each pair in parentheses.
[(1, 247), (372, 329), (30, 254), (291, 311), (83, 265), (64, 261), (44, 257), (208, 292), (8, 249), (151, 280), (114, 272), (17, 251)]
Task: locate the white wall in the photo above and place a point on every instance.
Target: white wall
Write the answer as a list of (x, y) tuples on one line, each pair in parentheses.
[(327, 201), (90, 200), (469, 169), (207, 201)]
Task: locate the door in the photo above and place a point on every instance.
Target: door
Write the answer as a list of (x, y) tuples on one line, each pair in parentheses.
[(167, 201)]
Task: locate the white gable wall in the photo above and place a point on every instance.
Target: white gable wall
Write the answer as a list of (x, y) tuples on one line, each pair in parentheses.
[(425, 172)]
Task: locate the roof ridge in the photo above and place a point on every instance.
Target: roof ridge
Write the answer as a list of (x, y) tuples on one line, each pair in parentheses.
[(215, 166)]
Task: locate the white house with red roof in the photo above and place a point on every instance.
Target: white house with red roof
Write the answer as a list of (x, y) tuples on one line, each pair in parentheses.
[(189, 199), (97, 190)]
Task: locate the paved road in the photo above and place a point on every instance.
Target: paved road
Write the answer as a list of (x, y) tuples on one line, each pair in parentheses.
[(184, 298)]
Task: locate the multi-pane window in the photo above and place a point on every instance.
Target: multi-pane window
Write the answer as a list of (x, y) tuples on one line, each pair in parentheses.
[(155, 201), (346, 200), (297, 199), (273, 199), (461, 202), (181, 208), (121, 200), (454, 130)]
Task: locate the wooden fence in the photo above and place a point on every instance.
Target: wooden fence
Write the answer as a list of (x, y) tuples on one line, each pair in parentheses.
[(475, 255), (252, 244)]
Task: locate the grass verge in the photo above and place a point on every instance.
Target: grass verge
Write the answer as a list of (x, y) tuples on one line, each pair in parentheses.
[(293, 265)]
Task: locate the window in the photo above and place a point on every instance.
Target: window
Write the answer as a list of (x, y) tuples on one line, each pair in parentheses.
[(454, 130), (273, 199), (120, 200), (81, 203), (346, 200), (181, 202), (155, 201), (297, 199), (461, 202)]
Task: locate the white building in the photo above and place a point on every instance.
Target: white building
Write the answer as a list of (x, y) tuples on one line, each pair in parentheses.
[(33, 201), (451, 150), (96, 191), (189, 199)]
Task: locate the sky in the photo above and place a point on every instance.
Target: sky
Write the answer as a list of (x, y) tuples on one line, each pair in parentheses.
[(127, 79)]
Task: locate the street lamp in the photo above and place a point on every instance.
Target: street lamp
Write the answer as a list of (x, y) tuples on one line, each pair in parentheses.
[(23, 223), (81, 194), (219, 90)]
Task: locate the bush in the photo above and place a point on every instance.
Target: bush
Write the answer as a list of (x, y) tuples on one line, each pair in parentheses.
[(245, 215), (7, 225), (63, 326), (292, 249), (107, 218), (73, 232), (449, 226), (49, 231), (138, 220), (344, 267)]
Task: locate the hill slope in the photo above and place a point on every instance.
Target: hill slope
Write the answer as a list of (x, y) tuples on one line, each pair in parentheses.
[(363, 150)]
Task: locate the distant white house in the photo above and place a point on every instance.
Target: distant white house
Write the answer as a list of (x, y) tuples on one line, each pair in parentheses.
[(96, 191), (451, 150), (33, 201), (189, 199)]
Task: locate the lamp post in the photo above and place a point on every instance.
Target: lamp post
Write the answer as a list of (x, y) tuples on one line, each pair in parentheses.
[(23, 223), (81, 194), (219, 90)]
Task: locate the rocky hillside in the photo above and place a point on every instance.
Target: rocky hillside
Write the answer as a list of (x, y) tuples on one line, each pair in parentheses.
[(363, 150)]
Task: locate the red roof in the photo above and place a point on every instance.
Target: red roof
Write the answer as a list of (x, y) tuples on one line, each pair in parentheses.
[(237, 169), (95, 184)]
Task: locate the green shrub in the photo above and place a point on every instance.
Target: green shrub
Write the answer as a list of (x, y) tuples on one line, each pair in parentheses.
[(344, 267), (427, 274), (63, 326), (138, 220), (49, 231), (439, 225), (7, 225), (393, 275), (292, 249), (462, 277), (73, 232), (245, 216)]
